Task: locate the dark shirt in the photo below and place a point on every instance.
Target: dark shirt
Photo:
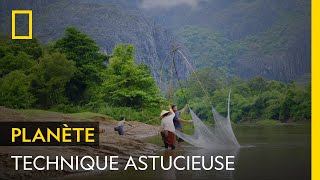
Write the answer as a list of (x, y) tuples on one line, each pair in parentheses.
[(177, 124)]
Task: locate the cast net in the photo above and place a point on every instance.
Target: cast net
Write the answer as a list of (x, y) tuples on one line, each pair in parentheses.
[(220, 136)]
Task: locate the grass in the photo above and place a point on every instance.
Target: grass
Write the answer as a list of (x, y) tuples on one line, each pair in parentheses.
[(80, 115), (35, 112), (87, 115)]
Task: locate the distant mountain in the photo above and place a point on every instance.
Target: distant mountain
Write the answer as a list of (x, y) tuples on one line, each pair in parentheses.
[(106, 22), (268, 38), (246, 38)]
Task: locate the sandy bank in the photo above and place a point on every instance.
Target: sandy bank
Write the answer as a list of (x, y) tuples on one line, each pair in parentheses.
[(111, 143)]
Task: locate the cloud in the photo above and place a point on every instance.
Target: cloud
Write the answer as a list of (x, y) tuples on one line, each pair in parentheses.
[(168, 3)]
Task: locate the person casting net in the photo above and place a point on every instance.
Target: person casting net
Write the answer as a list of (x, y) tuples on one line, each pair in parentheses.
[(220, 136)]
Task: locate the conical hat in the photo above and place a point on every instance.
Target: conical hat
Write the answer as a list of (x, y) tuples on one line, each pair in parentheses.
[(164, 112)]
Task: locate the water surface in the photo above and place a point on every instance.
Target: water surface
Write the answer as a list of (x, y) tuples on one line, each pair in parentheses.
[(275, 153)]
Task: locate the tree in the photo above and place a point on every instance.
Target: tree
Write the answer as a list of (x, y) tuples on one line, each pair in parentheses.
[(31, 47), (210, 78), (15, 90), (258, 84), (22, 61), (297, 103), (18, 54), (84, 51), (79, 47), (49, 78), (273, 100), (128, 84), (254, 99)]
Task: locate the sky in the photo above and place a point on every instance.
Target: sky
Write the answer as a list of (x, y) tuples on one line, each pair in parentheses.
[(169, 3)]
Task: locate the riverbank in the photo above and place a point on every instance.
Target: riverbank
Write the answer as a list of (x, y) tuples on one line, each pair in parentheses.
[(111, 144)]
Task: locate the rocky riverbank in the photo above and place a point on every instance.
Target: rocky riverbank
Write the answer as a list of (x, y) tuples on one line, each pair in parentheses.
[(111, 144)]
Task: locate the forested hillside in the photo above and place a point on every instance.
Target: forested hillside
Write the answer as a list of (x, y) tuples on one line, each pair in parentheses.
[(245, 37), (71, 75), (106, 22), (105, 56)]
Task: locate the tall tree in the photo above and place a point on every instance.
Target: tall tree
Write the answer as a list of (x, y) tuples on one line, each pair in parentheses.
[(84, 51), (10, 63), (15, 90), (31, 47), (128, 84), (49, 78)]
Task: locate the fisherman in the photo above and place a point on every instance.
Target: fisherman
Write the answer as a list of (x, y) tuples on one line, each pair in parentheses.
[(167, 127), (177, 121), (120, 127)]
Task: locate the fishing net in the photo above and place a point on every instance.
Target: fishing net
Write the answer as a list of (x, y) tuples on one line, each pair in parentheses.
[(220, 136)]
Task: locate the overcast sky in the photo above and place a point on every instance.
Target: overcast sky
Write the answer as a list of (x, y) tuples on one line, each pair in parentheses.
[(169, 3)]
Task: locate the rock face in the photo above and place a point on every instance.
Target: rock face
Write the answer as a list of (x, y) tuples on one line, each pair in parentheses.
[(268, 38), (105, 22), (262, 38), (287, 65)]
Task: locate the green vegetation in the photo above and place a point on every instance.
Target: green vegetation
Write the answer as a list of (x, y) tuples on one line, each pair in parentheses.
[(72, 76), (286, 41), (49, 78), (15, 90), (128, 84), (81, 115), (87, 115), (36, 112), (208, 48), (84, 51), (252, 100)]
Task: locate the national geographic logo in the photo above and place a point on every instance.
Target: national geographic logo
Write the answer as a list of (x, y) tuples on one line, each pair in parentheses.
[(49, 134), (24, 12)]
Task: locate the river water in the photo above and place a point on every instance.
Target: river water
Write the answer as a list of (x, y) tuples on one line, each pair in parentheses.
[(275, 153)]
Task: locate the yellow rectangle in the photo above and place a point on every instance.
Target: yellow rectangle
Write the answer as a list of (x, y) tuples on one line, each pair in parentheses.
[(27, 12), (315, 115)]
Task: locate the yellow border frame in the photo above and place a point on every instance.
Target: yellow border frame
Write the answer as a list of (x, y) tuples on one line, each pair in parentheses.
[(29, 13), (315, 72)]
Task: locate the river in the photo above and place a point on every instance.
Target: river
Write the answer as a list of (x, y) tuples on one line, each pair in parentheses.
[(267, 152)]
